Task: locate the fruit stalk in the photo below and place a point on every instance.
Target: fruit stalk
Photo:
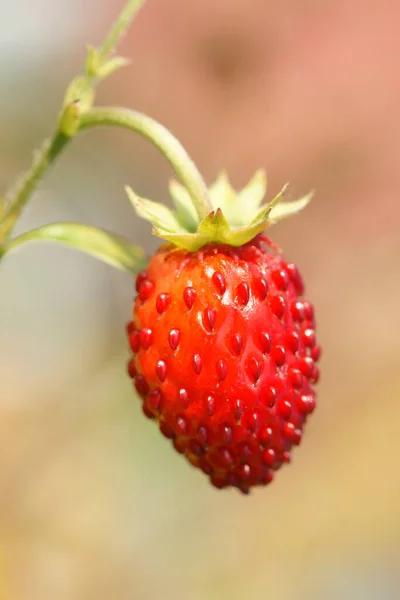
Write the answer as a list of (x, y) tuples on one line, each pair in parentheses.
[(163, 139), (78, 98)]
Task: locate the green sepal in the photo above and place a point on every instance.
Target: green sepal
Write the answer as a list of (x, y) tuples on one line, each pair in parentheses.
[(107, 247), (254, 192), (223, 196), (159, 215), (213, 228), (266, 210), (185, 211), (287, 209), (236, 218), (238, 206), (216, 227), (187, 241)]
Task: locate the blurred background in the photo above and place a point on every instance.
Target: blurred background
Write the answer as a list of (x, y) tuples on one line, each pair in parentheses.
[(94, 503)]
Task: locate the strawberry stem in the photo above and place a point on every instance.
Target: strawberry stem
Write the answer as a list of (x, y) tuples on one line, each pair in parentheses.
[(163, 139), (79, 97)]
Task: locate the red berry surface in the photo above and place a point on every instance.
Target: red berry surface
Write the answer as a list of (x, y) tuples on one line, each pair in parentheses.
[(224, 357)]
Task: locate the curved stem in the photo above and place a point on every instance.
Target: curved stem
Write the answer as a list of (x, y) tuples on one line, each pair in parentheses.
[(163, 139), (78, 98)]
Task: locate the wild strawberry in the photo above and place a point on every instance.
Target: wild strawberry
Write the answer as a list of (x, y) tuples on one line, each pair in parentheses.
[(224, 347)]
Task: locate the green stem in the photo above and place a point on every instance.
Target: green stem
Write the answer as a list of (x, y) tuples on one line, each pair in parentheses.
[(78, 98), (163, 139), (17, 197), (120, 26)]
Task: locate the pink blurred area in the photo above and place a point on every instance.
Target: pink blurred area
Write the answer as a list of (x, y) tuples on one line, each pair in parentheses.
[(93, 503)]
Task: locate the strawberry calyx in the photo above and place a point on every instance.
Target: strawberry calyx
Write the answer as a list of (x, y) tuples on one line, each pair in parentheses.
[(235, 219)]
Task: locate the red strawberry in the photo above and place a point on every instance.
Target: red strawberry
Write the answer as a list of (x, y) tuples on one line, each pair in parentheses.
[(224, 347)]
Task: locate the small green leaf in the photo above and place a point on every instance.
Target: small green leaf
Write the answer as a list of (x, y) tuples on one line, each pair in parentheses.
[(186, 212), (215, 226), (222, 194), (111, 66), (261, 216), (159, 215), (278, 198), (251, 196), (217, 229), (242, 235), (108, 247), (287, 209), (267, 208), (240, 208), (189, 241)]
